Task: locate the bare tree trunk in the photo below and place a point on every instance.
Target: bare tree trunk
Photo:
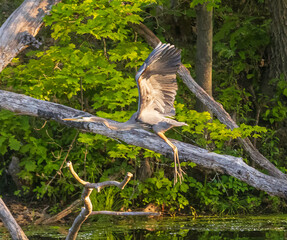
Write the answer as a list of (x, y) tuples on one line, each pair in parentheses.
[(203, 64), (10, 223), (278, 58), (19, 29)]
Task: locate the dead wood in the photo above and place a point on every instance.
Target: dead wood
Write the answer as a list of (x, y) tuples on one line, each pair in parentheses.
[(10, 223), (20, 29), (88, 207), (226, 164)]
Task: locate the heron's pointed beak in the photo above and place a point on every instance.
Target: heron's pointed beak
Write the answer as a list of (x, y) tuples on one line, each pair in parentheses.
[(71, 119)]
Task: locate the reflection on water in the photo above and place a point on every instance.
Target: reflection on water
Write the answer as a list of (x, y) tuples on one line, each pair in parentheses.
[(202, 228)]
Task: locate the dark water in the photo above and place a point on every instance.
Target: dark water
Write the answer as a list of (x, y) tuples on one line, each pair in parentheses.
[(213, 228)]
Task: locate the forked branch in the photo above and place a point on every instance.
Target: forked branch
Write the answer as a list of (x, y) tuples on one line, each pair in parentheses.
[(88, 207)]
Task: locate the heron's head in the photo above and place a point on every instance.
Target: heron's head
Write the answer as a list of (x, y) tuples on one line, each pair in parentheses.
[(80, 119)]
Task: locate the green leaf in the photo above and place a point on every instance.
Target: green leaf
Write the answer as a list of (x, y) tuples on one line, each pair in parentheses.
[(14, 144), (30, 166)]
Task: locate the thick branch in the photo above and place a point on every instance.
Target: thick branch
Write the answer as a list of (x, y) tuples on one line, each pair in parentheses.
[(223, 163), (214, 106), (84, 214), (10, 223), (19, 29)]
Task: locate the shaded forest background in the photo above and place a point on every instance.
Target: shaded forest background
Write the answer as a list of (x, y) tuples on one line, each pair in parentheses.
[(88, 58)]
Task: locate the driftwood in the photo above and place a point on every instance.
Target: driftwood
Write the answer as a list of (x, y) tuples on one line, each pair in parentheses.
[(233, 166), (87, 209), (10, 223), (214, 106), (88, 188)]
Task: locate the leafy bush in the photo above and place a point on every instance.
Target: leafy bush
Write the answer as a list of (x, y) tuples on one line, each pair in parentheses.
[(90, 63)]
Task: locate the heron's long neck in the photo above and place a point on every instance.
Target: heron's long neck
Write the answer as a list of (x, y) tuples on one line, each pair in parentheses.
[(118, 126)]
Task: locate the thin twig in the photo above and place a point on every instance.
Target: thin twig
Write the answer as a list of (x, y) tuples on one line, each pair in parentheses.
[(65, 160), (38, 129)]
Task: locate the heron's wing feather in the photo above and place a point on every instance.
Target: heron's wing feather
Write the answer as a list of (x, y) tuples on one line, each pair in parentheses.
[(156, 81)]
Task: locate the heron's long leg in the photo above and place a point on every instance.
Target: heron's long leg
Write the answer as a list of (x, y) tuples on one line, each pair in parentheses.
[(177, 170)]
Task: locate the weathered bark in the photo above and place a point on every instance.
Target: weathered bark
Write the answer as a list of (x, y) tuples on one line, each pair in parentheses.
[(203, 64), (222, 163), (10, 223), (19, 29), (278, 58), (214, 106)]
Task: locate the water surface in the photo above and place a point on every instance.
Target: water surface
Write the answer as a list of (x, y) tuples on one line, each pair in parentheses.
[(203, 228)]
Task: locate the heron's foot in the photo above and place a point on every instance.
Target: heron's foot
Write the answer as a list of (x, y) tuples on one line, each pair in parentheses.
[(178, 172)]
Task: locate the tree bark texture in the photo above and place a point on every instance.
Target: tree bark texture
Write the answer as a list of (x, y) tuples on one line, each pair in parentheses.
[(19, 29), (10, 223), (203, 64), (278, 28), (222, 163), (214, 106)]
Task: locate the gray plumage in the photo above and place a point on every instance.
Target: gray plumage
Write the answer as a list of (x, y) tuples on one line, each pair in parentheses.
[(157, 86)]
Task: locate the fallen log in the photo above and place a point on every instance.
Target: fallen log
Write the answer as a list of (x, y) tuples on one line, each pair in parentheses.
[(226, 164)]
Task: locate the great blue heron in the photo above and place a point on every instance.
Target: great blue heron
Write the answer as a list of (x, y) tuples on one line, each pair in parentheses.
[(157, 86)]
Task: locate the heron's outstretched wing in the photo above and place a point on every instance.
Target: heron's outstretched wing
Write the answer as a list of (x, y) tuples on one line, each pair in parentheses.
[(156, 80)]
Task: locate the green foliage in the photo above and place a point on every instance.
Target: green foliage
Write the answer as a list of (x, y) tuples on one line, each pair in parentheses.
[(108, 199), (277, 109), (158, 190), (224, 195), (239, 46), (210, 4), (90, 63), (199, 126), (101, 19), (95, 54)]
